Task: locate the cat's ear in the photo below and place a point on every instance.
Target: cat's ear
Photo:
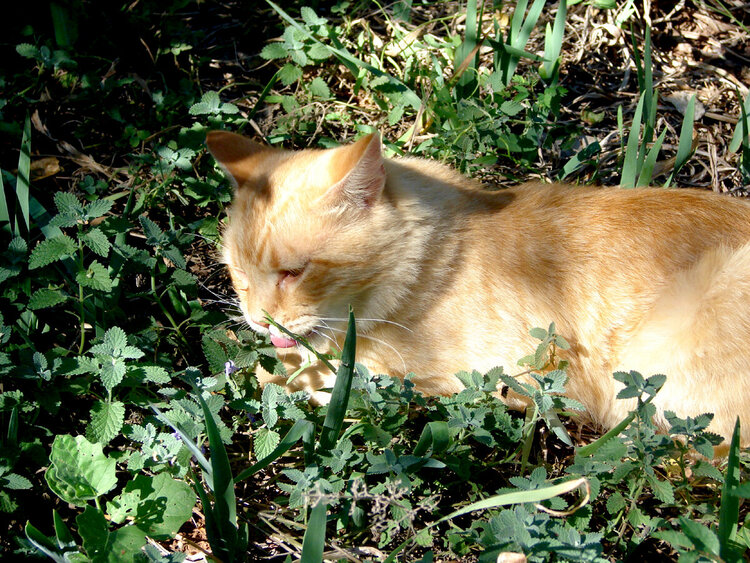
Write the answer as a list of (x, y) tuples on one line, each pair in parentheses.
[(362, 169), (237, 154)]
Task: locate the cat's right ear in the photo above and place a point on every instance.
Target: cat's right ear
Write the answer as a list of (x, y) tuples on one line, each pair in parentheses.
[(236, 154)]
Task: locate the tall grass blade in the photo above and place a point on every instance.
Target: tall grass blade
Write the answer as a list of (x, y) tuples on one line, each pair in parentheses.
[(435, 439), (225, 503), (341, 389), (742, 131), (505, 499), (685, 144), (593, 447), (314, 541), (644, 178), (22, 180), (553, 39), (301, 429), (630, 164), (4, 207), (185, 438), (729, 511), (468, 50)]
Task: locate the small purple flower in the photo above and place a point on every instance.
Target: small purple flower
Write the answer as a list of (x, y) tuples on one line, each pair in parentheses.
[(229, 368)]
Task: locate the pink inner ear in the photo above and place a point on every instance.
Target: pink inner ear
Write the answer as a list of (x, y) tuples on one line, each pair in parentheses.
[(363, 183)]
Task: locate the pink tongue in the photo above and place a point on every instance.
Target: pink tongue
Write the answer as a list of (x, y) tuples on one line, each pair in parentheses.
[(282, 341)]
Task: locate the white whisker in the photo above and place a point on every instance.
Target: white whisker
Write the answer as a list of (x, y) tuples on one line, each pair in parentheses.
[(368, 320), (378, 340)]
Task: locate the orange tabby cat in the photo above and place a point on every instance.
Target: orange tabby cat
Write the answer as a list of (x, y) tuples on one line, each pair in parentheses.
[(445, 276)]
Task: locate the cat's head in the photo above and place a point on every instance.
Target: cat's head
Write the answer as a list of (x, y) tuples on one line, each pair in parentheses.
[(310, 233)]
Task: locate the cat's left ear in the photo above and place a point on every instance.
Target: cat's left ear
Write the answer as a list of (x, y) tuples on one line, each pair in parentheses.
[(363, 169)]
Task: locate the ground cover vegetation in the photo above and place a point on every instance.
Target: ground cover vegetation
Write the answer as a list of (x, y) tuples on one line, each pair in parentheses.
[(130, 421)]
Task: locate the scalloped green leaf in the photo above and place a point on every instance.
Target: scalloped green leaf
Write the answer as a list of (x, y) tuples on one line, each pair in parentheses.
[(106, 421), (51, 250), (45, 298), (97, 241), (95, 276)]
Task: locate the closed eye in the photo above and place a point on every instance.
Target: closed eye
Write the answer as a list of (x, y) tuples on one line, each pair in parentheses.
[(290, 275)]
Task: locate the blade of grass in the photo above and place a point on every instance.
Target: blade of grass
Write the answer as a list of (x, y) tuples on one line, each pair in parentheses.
[(314, 541), (630, 165), (505, 499), (435, 438), (729, 510), (742, 130), (300, 429), (4, 208), (22, 180), (553, 39), (341, 389), (685, 144), (644, 178), (466, 55)]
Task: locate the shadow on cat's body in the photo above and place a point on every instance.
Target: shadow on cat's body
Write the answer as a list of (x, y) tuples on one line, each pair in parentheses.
[(651, 280)]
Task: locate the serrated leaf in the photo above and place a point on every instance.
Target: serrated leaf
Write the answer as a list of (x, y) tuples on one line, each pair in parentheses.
[(274, 51), (154, 235), (112, 372), (97, 208), (97, 241), (511, 107), (27, 50), (701, 537), (44, 298), (663, 490), (319, 88), (51, 250), (214, 353), (289, 74), (264, 442), (106, 421), (615, 503), (318, 52), (95, 276), (15, 482), (68, 204), (154, 374), (115, 339)]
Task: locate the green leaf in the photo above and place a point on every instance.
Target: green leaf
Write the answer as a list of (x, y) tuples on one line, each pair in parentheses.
[(15, 482), (663, 490), (264, 442), (102, 545), (319, 88), (44, 298), (289, 74), (68, 204), (314, 541), (51, 250), (79, 471), (154, 374), (157, 505), (112, 372), (106, 421), (95, 276), (97, 241), (276, 50), (700, 536), (97, 208), (730, 504), (341, 390), (154, 235)]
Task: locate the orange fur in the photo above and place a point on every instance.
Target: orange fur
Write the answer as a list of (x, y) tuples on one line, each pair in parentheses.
[(445, 276)]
